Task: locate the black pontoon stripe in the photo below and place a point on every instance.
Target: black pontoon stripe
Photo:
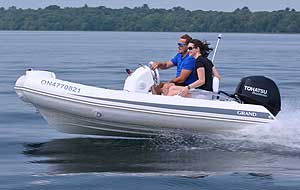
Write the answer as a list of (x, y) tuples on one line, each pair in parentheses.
[(187, 108)]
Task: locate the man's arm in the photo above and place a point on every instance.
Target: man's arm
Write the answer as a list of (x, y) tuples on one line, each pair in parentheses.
[(187, 68), (162, 65), (184, 74)]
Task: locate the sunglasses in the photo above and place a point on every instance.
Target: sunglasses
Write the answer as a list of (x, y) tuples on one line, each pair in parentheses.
[(191, 48), (181, 44)]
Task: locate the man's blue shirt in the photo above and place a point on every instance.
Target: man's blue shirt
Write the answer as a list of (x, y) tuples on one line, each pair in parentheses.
[(188, 63)]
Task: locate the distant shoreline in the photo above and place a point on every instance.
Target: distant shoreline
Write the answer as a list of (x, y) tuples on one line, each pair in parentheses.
[(146, 32), (144, 19)]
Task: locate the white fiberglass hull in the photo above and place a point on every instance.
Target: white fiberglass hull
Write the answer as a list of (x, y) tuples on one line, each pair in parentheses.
[(76, 108)]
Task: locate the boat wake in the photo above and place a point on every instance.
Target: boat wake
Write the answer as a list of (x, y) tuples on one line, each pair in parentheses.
[(284, 132), (280, 138)]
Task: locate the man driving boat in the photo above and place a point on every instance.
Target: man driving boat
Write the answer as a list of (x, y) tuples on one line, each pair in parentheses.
[(185, 65)]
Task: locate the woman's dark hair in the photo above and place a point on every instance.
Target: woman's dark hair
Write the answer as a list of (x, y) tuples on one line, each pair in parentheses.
[(203, 46)]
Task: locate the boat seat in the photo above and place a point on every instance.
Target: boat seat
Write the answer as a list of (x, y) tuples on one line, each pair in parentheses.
[(215, 85)]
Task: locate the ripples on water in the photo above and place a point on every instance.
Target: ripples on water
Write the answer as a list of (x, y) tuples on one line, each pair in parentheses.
[(35, 156)]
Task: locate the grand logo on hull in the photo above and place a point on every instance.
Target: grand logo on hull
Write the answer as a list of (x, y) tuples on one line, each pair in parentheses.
[(246, 113)]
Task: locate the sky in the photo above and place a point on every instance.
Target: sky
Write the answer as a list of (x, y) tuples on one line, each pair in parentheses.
[(218, 5)]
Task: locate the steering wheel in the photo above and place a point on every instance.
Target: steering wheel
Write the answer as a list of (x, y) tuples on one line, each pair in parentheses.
[(155, 75)]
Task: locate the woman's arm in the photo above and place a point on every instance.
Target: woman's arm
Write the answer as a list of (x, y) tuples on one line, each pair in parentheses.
[(183, 91), (216, 73), (201, 78)]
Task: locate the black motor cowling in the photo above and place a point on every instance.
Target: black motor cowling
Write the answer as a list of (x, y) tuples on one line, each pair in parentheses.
[(259, 90)]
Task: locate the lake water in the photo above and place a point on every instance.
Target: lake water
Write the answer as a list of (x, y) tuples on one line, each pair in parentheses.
[(35, 156)]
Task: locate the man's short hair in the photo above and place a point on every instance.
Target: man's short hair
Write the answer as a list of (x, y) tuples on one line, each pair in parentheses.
[(187, 38)]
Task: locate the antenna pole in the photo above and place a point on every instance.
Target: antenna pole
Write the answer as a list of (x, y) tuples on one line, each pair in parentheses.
[(219, 38)]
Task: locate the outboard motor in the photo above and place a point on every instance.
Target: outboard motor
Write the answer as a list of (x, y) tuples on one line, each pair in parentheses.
[(259, 90)]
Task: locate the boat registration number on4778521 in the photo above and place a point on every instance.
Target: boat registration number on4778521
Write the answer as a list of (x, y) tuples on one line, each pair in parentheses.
[(60, 86)]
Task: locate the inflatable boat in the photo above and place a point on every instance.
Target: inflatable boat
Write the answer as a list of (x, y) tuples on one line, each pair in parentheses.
[(135, 112)]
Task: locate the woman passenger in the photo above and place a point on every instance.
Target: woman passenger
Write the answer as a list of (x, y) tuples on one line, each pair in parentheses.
[(204, 70)]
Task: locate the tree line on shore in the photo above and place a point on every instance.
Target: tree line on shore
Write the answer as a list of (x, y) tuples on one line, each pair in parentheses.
[(177, 19)]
